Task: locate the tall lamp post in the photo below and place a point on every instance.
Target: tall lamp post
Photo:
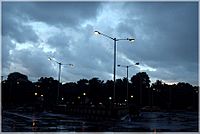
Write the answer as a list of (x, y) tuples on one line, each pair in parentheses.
[(127, 94), (115, 42), (59, 73)]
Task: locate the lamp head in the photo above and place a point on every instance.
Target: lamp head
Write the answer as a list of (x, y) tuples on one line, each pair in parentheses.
[(118, 65), (131, 40), (71, 65), (137, 63), (49, 58), (97, 32)]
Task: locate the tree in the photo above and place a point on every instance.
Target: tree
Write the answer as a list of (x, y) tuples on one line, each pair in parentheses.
[(17, 90), (108, 86), (121, 89), (141, 83), (95, 90), (83, 85), (48, 88), (71, 91), (182, 95)]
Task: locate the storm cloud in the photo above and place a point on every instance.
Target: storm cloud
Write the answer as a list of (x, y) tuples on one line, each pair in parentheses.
[(166, 39)]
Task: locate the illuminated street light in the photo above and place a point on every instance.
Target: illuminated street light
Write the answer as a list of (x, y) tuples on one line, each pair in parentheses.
[(59, 73), (96, 32), (115, 42), (127, 76), (36, 94), (84, 94)]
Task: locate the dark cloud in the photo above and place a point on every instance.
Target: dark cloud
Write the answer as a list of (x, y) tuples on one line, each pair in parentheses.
[(13, 24), (172, 31), (55, 13), (166, 36), (34, 60), (71, 14), (6, 47), (90, 57)]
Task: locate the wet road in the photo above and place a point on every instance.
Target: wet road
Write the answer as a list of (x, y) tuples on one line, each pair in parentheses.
[(15, 121)]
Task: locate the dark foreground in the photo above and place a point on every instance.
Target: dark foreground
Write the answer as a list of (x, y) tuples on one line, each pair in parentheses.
[(176, 121)]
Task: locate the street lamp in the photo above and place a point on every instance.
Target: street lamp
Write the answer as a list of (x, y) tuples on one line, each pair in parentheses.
[(127, 75), (59, 73), (115, 42)]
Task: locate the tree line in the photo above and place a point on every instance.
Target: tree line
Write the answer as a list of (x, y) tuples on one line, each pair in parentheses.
[(17, 90)]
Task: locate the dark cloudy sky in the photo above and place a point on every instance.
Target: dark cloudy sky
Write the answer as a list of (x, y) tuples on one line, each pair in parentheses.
[(166, 42)]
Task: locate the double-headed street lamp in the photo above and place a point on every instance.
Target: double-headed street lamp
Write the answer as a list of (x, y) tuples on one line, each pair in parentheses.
[(115, 40), (127, 97), (59, 73)]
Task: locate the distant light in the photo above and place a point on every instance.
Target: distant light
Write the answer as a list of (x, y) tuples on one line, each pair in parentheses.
[(41, 95), (110, 98), (100, 103), (78, 97), (154, 89), (125, 100), (62, 98), (18, 82), (34, 123), (36, 94), (131, 96), (84, 94)]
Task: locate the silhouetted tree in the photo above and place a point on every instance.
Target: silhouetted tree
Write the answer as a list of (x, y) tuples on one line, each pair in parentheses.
[(95, 90), (182, 95), (71, 91), (83, 85), (160, 94), (121, 90), (108, 86), (17, 90), (48, 88), (141, 83)]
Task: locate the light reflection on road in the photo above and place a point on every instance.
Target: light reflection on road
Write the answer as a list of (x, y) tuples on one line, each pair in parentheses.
[(14, 121)]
